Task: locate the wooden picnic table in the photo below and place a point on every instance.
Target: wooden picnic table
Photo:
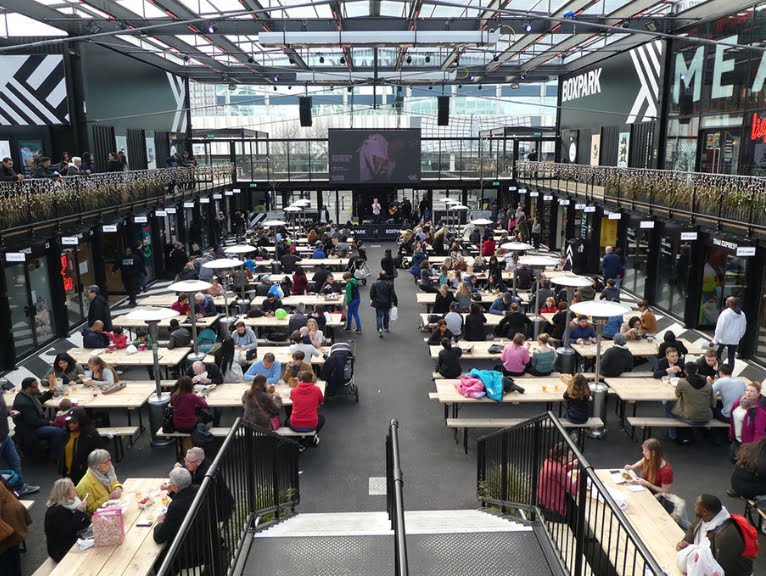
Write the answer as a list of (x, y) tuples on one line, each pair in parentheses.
[(167, 358), (138, 552), (307, 299), (656, 528), (480, 350), (202, 323), (167, 300), (642, 347), (283, 355), (230, 395)]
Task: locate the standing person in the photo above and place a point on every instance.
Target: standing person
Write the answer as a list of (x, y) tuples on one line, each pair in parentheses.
[(729, 330), (324, 215), (98, 308), (88, 167), (130, 269), (140, 256), (178, 259), (648, 319), (375, 210), (537, 233), (15, 515), (728, 390), (610, 264), (114, 163), (8, 451), (353, 299), (388, 266), (383, 298)]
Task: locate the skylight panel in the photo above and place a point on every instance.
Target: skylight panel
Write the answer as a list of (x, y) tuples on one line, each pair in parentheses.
[(19, 25)]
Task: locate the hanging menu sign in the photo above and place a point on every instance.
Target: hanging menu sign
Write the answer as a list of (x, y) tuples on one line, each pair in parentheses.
[(746, 251), (217, 197), (522, 190), (188, 204), (688, 235), (109, 228), (229, 193), (15, 257), (579, 206), (512, 188), (170, 210), (563, 202), (647, 224), (204, 200), (236, 190), (140, 219), (160, 213), (590, 209), (615, 216), (70, 240), (548, 197), (534, 194)]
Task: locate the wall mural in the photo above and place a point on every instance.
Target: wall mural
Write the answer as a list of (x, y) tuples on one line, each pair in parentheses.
[(33, 91)]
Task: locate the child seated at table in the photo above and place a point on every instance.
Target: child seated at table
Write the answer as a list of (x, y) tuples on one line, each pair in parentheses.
[(118, 338), (142, 338), (65, 407), (577, 398)]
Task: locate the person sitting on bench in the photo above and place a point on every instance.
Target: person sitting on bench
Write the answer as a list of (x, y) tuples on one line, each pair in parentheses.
[(307, 398), (617, 359), (448, 363)]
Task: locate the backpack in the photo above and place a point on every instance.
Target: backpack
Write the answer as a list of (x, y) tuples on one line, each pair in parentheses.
[(11, 478), (749, 536), (205, 340)]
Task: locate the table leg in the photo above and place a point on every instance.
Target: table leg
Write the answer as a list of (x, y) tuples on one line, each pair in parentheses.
[(446, 412), (465, 440)]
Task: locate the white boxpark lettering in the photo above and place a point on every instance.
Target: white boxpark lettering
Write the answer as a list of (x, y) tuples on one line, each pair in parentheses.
[(585, 84)]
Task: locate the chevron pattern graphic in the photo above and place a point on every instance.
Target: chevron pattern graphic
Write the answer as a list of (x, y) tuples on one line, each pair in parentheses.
[(33, 91), (646, 61), (178, 86)]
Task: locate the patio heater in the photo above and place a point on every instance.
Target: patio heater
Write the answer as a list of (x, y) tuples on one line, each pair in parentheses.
[(565, 355), (240, 249), (538, 264), (515, 248), (191, 287), (225, 264), (158, 401)]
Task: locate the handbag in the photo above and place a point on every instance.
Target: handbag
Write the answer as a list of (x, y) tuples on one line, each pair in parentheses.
[(276, 423), (168, 426), (393, 315), (495, 349)]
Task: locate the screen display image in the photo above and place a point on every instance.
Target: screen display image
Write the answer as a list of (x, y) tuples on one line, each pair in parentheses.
[(370, 156)]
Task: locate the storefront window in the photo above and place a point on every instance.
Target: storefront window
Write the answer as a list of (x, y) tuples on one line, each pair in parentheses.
[(673, 274), (144, 235), (724, 275), (21, 313), (681, 149), (636, 259)]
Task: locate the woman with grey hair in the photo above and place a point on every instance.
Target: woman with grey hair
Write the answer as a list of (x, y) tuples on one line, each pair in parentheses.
[(64, 518), (100, 481)]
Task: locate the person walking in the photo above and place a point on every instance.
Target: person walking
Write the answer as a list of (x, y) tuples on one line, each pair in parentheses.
[(382, 298), (387, 264), (610, 264), (729, 329), (130, 268), (353, 299), (98, 308)]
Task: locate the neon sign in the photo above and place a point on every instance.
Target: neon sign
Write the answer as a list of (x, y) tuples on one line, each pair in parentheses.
[(68, 282), (758, 128)]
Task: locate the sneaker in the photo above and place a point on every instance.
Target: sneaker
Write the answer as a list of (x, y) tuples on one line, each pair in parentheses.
[(27, 489), (732, 493), (358, 330), (301, 448), (380, 333), (346, 329), (316, 440), (388, 331)]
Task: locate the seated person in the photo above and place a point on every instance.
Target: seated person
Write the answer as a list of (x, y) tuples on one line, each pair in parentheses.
[(655, 472), (294, 367), (543, 357), (298, 318), (474, 329), (268, 366), (32, 421), (216, 288), (321, 274), (441, 331), (426, 283), (180, 336), (611, 292), (612, 326), (549, 306), (502, 304), (577, 400), (271, 305), (559, 325), (100, 481), (618, 359), (454, 320), (298, 344), (632, 329), (695, 400), (444, 298), (448, 363), (65, 517), (331, 286), (707, 365), (289, 262), (65, 368), (300, 282), (307, 398), (748, 479), (182, 493), (670, 365), (204, 373), (204, 305), (244, 337), (319, 253), (515, 356), (515, 322), (545, 292), (95, 337), (583, 332), (669, 339), (729, 389)]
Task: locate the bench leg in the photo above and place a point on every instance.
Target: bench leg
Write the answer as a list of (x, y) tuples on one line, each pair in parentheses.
[(465, 440), (118, 450)]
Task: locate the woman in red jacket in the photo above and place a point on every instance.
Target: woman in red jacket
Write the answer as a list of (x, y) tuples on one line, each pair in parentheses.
[(306, 397), (185, 402), (300, 282), (555, 486)]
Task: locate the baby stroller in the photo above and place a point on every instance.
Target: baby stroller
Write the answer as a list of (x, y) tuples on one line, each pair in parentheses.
[(338, 371), (358, 267)]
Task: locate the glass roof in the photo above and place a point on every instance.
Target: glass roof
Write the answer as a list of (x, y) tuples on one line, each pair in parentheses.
[(238, 42)]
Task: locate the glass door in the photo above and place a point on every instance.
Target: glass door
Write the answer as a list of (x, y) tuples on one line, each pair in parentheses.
[(76, 270), (724, 275), (720, 151), (22, 315), (636, 260), (673, 274)]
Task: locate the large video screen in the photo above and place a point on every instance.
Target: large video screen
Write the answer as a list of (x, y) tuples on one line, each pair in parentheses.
[(370, 156)]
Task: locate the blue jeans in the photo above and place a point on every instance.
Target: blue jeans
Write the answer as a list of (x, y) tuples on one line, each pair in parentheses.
[(9, 454), (55, 437), (381, 318), (353, 312)]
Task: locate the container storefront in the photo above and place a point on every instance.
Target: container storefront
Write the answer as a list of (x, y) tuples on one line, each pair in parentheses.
[(76, 268), (636, 245), (725, 273), (677, 252)]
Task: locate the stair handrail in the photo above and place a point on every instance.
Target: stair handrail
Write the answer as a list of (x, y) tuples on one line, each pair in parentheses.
[(395, 498), (254, 473), (520, 452)]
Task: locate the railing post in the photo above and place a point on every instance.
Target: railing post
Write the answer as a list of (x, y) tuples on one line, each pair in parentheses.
[(536, 447), (580, 527), (481, 471), (504, 471), (275, 480)]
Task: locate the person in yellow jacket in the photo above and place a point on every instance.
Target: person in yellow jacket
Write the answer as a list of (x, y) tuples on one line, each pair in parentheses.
[(100, 481)]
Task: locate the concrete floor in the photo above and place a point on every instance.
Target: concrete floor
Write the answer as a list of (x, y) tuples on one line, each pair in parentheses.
[(393, 374)]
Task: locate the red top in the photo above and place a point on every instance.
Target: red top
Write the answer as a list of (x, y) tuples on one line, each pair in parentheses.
[(488, 247), (182, 309), (119, 340), (664, 476), (300, 284), (306, 397), (549, 309), (552, 486), (184, 414)]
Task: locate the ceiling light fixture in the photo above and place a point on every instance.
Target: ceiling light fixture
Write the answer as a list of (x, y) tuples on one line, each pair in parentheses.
[(349, 89), (479, 86), (275, 88), (430, 86), (523, 75), (211, 28), (342, 59), (428, 58), (472, 77), (528, 26), (291, 60), (496, 57), (625, 23), (409, 59), (232, 86), (321, 59), (276, 78), (186, 58), (250, 60)]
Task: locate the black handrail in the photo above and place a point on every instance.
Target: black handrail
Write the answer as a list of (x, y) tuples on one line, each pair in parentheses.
[(395, 499), (586, 527), (254, 476)]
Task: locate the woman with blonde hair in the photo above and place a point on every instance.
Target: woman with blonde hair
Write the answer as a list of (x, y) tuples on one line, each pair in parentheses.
[(444, 297), (656, 473), (463, 297), (101, 373), (577, 397), (315, 334), (64, 519)]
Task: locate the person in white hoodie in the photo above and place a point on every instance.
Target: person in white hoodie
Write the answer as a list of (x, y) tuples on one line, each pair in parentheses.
[(729, 329)]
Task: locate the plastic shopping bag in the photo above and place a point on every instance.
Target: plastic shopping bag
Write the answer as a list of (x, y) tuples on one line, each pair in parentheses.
[(393, 316), (702, 563)]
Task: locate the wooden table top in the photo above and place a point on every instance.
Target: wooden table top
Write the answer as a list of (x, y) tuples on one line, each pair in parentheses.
[(138, 552), (133, 396), (480, 350), (307, 299), (273, 322), (641, 389), (282, 354), (649, 519), (202, 323), (122, 358), (549, 316), (637, 348), (429, 298), (166, 300), (533, 391), (230, 395)]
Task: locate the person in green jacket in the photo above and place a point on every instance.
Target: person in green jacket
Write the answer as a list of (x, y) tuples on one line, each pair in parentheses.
[(352, 302)]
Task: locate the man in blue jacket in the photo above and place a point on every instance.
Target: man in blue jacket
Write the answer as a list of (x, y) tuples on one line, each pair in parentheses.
[(610, 264)]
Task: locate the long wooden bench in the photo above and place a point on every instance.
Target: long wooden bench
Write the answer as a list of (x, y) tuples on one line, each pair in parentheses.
[(588, 375), (45, 568), (118, 433), (750, 507), (647, 423), (468, 423), (222, 432)]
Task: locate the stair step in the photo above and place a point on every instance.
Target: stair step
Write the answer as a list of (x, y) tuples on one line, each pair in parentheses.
[(377, 524)]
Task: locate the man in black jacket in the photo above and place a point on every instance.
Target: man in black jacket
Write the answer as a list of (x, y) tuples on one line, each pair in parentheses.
[(94, 336), (382, 298), (617, 359), (31, 421), (387, 265), (8, 450), (7, 173), (98, 308), (183, 492), (205, 373), (131, 269)]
